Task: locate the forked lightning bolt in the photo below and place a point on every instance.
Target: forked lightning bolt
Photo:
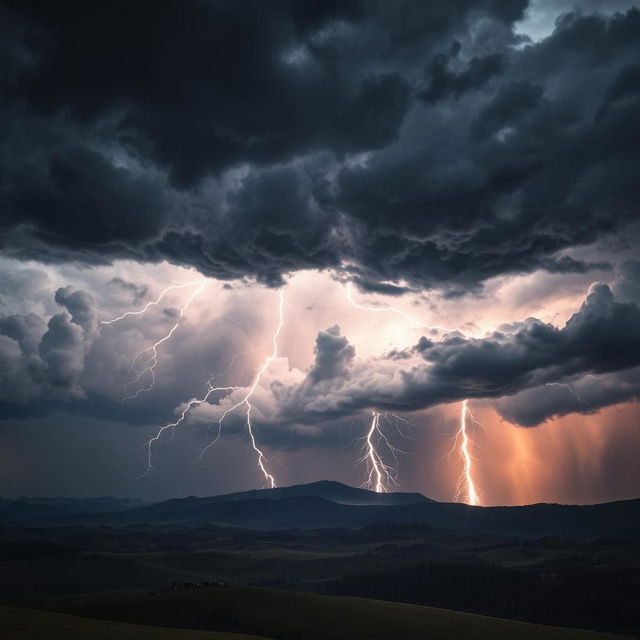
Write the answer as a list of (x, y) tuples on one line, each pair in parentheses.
[(380, 476), (377, 469), (183, 414), (246, 400), (149, 365)]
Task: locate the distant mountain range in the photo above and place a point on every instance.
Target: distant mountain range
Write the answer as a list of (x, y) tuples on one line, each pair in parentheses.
[(323, 505)]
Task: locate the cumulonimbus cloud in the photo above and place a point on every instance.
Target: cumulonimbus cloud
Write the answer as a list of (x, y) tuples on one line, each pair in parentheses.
[(421, 151), (530, 370)]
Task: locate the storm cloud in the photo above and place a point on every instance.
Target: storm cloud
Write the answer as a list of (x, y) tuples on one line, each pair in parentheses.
[(471, 162), (390, 141), (602, 337)]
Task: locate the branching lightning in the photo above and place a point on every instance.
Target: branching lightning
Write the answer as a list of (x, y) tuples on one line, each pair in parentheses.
[(149, 365), (148, 360), (379, 474), (183, 414), (246, 401)]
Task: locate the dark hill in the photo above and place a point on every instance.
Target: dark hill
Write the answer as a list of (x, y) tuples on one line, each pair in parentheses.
[(335, 492), (324, 505)]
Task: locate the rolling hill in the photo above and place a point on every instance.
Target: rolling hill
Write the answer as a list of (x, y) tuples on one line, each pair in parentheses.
[(326, 505)]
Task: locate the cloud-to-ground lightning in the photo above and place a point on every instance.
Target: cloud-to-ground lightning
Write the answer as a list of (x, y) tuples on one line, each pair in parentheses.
[(466, 489), (380, 475), (466, 484), (149, 365), (246, 399), (376, 466), (152, 303)]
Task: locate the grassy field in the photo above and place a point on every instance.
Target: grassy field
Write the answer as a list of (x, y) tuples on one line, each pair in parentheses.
[(295, 616), (25, 624)]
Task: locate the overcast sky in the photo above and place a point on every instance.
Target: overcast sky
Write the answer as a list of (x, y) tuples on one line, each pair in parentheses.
[(325, 211)]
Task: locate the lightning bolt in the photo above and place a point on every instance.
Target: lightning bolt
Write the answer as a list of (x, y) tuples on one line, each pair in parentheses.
[(380, 476), (149, 365), (377, 470), (573, 392), (466, 482), (246, 401), (183, 414), (153, 303)]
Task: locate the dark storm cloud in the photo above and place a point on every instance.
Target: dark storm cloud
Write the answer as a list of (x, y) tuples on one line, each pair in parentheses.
[(82, 308), (21, 366), (625, 86), (627, 286), (567, 264), (531, 175), (586, 395), (442, 82), (590, 392), (62, 359), (410, 145), (24, 329), (508, 108), (602, 336), (414, 143), (135, 291), (333, 355), (62, 354), (47, 358)]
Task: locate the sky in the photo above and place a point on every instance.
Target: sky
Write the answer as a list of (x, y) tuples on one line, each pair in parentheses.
[(256, 244)]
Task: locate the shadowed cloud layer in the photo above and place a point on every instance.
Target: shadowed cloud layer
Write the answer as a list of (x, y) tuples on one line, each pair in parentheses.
[(421, 143)]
